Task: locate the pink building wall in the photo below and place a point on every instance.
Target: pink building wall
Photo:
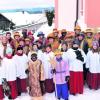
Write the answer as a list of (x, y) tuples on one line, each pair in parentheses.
[(65, 14), (92, 13)]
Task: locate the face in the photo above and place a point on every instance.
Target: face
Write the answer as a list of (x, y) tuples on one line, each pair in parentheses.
[(8, 36), (64, 47), (48, 49), (95, 47), (51, 40), (30, 36), (17, 37), (35, 48), (27, 42), (4, 40), (80, 37), (20, 51), (33, 58), (96, 37), (21, 43), (89, 35), (41, 36), (55, 33), (9, 54)]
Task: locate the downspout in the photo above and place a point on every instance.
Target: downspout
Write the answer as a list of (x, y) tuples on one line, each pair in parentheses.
[(77, 11)]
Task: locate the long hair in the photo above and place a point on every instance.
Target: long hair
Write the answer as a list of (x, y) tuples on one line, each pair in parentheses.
[(96, 44)]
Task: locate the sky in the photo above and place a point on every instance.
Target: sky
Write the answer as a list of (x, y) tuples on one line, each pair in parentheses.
[(18, 4)]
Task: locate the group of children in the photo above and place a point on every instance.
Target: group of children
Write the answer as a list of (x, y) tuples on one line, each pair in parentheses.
[(49, 64)]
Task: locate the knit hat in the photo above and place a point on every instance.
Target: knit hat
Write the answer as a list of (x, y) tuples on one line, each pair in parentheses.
[(9, 50)]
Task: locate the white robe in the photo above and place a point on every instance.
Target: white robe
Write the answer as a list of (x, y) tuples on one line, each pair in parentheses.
[(21, 65), (93, 62), (9, 69), (74, 63), (1, 50), (2, 74), (64, 56), (47, 65)]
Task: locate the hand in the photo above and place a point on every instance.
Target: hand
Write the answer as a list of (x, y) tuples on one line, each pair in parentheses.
[(52, 62), (66, 78), (53, 71), (27, 71), (87, 69)]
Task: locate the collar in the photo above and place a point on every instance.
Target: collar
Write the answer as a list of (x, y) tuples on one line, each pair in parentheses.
[(19, 54), (9, 57), (59, 59)]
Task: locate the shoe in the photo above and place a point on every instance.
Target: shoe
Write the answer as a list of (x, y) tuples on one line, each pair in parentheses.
[(10, 98), (73, 94), (19, 93)]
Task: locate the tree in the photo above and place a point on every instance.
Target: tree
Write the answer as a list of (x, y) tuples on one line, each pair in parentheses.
[(50, 16)]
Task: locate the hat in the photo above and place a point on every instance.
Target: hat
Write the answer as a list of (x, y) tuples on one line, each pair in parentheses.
[(9, 50), (95, 43), (30, 33), (63, 30), (89, 30), (16, 34), (40, 33), (76, 42), (50, 36), (57, 52), (77, 27), (33, 52), (19, 48)]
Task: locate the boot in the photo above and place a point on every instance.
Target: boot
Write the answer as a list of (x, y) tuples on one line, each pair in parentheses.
[(9, 97)]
